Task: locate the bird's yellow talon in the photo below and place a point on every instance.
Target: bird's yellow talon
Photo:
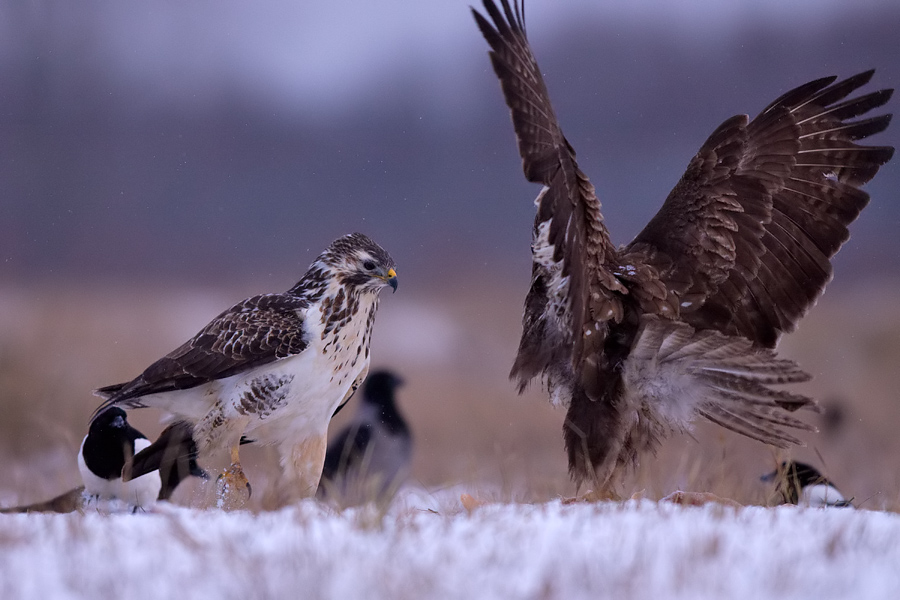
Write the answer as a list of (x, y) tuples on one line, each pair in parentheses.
[(232, 486)]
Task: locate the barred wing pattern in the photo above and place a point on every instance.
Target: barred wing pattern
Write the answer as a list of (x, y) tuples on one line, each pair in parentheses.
[(572, 287), (254, 332), (745, 238), (681, 322)]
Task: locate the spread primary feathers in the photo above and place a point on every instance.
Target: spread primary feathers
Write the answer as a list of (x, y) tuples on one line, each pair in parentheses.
[(637, 341)]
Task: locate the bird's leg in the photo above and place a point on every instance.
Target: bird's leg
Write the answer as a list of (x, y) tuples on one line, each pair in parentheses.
[(605, 487), (601, 494), (302, 468), (232, 487)]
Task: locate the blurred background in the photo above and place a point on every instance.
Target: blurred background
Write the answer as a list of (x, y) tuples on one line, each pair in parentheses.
[(161, 161)]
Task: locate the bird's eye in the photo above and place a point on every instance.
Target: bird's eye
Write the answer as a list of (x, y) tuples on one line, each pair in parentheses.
[(368, 265)]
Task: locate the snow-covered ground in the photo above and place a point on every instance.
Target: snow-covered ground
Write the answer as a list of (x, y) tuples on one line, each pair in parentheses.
[(428, 546)]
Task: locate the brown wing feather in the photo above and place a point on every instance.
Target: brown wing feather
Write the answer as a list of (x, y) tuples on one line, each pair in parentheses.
[(572, 284), (745, 239), (256, 331), (173, 454)]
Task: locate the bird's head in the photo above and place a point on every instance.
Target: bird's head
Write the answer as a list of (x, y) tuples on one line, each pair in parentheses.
[(379, 387), (112, 426), (378, 401), (359, 262), (110, 419)]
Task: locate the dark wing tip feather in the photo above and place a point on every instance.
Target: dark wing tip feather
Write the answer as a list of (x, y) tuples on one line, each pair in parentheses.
[(540, 140), (487, 30), (860, 105), (501, 28), (803, 157), (857, 130), (510, 19), (841, 89), (111, 395), (800, 93), (109, 390)]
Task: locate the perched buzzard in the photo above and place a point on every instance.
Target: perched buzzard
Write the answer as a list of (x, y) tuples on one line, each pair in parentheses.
[(274, 368), (636, 341), (370, 458)]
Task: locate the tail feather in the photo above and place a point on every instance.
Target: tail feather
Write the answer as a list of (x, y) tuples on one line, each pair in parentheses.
[(680, 372), (70, 501), (740, 423), (109, 391), (767, 371), (759, 395), (112, 396)]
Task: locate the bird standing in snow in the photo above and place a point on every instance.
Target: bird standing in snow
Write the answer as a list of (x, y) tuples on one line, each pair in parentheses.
[(800, 483), (370, 459), (274, 368), (118, 463), (111, 444), (637, 341)]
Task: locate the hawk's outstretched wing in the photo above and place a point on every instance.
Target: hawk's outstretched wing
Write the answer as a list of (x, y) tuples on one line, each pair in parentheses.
[(254, 332), (745, 238), (681, 322), (573, 286)]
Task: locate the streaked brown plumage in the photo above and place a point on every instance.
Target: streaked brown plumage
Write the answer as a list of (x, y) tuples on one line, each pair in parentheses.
[(272, 368), (636, 341)]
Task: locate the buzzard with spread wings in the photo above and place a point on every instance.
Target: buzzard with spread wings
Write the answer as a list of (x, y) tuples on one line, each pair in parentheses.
[(637, 341)]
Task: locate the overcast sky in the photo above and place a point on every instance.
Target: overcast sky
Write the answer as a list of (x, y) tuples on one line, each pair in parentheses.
[(166, 134), (318, 55)]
